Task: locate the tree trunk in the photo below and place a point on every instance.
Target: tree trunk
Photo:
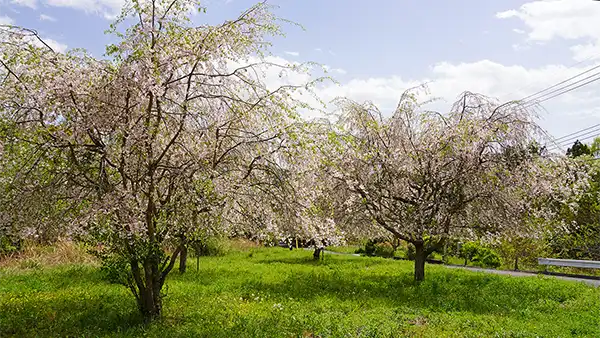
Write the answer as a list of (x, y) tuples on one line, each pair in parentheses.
[(147, 283), (445, 255), (419, 262), (317, 253), (517, 263), (150, 303), (147, 288), (183, 258)]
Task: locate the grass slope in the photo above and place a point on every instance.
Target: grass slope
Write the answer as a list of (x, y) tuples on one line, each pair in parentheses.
[(278, 293)]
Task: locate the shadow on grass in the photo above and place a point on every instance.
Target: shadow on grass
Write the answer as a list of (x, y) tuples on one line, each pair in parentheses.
[(72, 313), (333, 260), (76, 302), (442, 291), (69, 276)]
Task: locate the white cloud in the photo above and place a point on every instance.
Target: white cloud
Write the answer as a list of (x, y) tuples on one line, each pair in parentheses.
[(520, 47), (518, 31), (5, 20), (44, 17), (292, 53), (57, 46), (26, 3), (446, 81), (334, 70), (108, 8), (567, 19), (318, 50), (585, 52), (339, 71)]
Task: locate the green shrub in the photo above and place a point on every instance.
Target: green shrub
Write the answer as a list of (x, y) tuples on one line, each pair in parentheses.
[(487, 258), (480, 255), (211, 246), (7, 246), (521, 252), (370, 248), (115, 269), (384, 249), (468, 251)]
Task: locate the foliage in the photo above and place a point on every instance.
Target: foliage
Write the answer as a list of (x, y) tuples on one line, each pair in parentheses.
[(410, 253), (210, 246), (576, 237), (487, 258), (156, 141), (7, 246), (425, 177), (385, 250), (519, 252), (480, 255), (278, 293), (115, 269), (380, 247), (579, 149), (468, 251)]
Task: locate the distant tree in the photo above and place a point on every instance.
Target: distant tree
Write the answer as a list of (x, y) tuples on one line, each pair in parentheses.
[(595, 147), (578, 236), (578, 149)]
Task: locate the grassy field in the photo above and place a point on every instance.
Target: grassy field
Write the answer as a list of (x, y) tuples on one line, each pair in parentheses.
[(278, 293)]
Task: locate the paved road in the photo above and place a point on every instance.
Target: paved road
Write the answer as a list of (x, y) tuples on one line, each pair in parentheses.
[(593, 282)]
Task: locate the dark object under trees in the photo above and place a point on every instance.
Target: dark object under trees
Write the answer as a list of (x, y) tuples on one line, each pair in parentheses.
[(317, 253)]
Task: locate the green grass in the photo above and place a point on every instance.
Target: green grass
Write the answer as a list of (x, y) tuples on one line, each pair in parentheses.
[(278, 293), (349, 249)]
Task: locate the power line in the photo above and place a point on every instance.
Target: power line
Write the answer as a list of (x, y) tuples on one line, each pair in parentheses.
[(580, 139), (565, 140), (527, 104), (578, 136), (561, 90), (591, 57), (558, 84), (577, 132)]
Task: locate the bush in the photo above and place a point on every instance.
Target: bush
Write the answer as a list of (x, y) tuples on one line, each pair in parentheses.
[(487, 258), (370, 248), (115, 269), (468, 251), (480, 255), (210, 247), (521, 252), (384, 249), (8, 246), (379, 247)]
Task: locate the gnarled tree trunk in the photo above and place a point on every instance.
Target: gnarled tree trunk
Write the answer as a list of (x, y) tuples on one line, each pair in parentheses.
[(420, 256), (148, 279)]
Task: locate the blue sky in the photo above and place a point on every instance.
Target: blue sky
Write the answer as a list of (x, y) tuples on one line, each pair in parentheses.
[(506, 49)]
